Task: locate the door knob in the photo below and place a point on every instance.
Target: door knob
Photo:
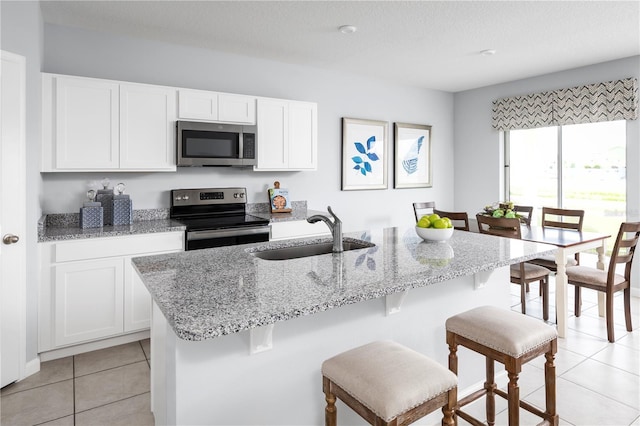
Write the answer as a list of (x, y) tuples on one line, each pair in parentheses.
[(10, 239)]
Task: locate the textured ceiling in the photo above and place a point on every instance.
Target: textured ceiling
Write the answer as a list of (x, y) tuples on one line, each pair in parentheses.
[(431, 44)]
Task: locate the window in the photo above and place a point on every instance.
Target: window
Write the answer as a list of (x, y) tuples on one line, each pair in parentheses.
[(592, 176)]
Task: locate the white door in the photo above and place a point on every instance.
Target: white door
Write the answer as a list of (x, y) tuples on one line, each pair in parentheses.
[(12, 224)]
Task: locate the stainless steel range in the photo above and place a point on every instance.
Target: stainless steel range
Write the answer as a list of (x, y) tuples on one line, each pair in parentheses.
[(217, 217)]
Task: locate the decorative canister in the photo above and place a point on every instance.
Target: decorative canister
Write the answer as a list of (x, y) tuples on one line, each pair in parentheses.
[(105, 197), (91, 212), (122, 207)]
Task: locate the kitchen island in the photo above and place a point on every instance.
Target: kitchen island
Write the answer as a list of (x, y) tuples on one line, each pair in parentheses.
[(240, 340)]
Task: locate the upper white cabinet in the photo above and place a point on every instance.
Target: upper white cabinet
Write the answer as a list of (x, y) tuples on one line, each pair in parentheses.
[(287, 135), (102, 125), (213, 106)]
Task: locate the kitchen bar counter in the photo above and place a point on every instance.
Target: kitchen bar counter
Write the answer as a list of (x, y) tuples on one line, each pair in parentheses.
[(209, 293), (238, 340)]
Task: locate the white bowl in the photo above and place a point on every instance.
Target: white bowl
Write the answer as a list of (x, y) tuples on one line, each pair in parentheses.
[(434, 234)]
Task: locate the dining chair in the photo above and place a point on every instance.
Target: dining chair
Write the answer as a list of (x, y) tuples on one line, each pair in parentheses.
[(420, 209), (524, 272), (560, 218), (526, 212), (610, 282), (460, 220)]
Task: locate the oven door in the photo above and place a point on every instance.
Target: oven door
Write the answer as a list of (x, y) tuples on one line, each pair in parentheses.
[(226, 237)]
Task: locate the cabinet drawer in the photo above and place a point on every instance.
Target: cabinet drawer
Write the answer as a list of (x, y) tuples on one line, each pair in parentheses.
[(297, 229), (117, 246)]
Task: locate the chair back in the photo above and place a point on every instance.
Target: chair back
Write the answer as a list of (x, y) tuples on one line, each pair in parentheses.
[(562, 218), (526, 212), (623, 250), (500, 226), (460, 220), (419, 208)]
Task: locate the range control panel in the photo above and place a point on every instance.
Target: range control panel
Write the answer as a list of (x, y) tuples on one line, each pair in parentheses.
[(206, 196)]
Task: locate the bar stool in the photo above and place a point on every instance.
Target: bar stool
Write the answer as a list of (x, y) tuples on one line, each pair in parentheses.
[(512, 339), (388, 384)]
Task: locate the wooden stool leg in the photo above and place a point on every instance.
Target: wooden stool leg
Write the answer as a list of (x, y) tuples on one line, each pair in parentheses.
[(490, 386), (513, 398), (330, 415), (550, 388), (448, 411), (453, 357)]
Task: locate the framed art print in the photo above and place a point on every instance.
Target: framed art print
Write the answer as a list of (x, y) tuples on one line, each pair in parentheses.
[(364, 154), (412, 156)]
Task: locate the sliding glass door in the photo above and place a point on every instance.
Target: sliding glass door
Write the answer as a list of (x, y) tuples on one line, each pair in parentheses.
[(592, 175)]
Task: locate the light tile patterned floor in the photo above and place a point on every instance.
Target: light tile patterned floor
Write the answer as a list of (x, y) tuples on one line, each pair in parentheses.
[(598, 382)]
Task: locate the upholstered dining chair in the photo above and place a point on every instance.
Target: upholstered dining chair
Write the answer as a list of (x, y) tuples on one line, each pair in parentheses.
[(422, 208), (560, 218), (460, 220), (522, 273), (609, 282)]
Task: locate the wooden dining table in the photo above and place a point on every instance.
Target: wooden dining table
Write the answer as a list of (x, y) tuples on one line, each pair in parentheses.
[(568, 242)]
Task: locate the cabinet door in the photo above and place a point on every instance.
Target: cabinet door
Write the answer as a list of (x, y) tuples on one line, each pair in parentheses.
[(88, 300), (86, 124), (303, 145), (273, 134), (197, 105), (236, 108), (147, 127), (137, 301)]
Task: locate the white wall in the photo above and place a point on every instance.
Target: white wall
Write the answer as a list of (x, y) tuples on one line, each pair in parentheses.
[(21, 33), (478, 148), (92, 54)]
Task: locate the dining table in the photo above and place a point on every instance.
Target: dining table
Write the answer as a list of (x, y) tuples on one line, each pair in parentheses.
[(568, 242)]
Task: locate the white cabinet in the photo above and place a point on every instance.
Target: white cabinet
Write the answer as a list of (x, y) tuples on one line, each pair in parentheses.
[(102, 125), (87, 300), (297, 229), (287, 135), (88, 289), (147, 127), (214, 106)]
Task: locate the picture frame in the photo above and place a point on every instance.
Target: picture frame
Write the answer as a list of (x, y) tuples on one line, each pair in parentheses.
[(412, 156), (364, 154)]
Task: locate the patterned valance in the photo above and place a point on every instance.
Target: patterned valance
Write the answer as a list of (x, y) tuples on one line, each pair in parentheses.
[(608, 101)]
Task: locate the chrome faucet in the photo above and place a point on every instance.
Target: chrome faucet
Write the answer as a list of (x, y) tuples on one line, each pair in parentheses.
[(335, 227)]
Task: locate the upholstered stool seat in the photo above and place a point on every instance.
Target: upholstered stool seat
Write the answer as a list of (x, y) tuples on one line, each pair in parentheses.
[(388, 384), (512, 339)]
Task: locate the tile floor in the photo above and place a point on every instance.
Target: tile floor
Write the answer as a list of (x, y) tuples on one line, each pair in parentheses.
[(598, 382)]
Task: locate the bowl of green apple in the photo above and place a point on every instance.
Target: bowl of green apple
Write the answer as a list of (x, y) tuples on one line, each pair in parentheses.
[(434, 228)]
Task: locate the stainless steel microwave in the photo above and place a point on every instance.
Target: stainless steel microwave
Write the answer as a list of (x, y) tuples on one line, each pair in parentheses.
[(215, 144)]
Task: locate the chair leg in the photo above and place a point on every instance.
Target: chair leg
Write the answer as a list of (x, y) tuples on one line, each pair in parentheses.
[(544, 288), (513, 399), (577, 302), (448, 411), (527, 289), (550, 388), (523, 298), (330, 415), (627, 308), (609, 316), (490, 386)]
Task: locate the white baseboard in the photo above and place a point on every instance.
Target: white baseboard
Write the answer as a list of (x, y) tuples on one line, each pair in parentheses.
[(32, 367), (92, 346)]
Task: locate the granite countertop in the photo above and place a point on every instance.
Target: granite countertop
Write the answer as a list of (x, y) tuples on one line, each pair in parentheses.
[(214, 292), (65, 226)]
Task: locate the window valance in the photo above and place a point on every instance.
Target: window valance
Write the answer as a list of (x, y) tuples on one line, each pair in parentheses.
[(608, 101)]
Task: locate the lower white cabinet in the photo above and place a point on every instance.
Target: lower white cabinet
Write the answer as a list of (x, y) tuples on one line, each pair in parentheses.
[(297, 229), (88, 291)]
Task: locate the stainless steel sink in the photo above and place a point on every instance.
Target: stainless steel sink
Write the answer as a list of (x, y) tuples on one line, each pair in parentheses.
[(295, 252)]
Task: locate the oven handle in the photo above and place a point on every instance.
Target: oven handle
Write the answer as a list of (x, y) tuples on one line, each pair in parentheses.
[(236, 232)]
